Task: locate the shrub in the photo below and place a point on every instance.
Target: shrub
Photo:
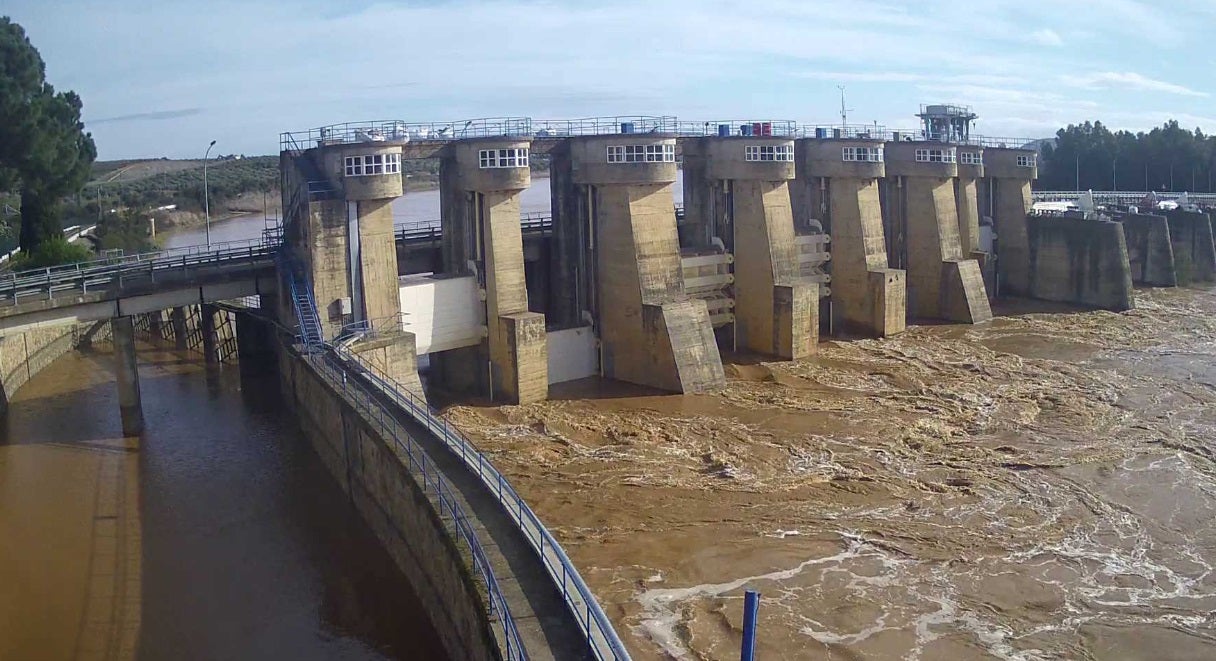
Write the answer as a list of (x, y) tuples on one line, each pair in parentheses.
[(52, 252)]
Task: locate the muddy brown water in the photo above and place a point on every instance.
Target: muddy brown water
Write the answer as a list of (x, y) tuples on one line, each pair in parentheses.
[(216, 535), (1039, 487)]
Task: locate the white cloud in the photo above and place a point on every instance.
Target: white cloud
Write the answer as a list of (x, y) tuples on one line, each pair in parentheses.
[(1046, 37), (1127, 80)]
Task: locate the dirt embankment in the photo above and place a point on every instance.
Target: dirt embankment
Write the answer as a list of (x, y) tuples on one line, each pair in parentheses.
[(241, 205)]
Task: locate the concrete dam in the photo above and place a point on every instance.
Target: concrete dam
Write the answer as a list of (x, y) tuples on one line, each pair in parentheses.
[(649, 407)]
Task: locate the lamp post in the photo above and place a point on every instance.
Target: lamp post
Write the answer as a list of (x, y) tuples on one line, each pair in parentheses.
[(206, 196)]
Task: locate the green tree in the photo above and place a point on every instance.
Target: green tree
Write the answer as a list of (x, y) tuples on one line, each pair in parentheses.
[(44, 149)]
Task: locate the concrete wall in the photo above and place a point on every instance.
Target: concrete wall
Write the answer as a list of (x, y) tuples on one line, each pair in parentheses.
[(775, 313), (378, 264), (1009, 184), (1150, 254), (481, 220), (868, 298), (390, 498), (1079, 261), (367, 187), (22, 355), (652, 333), (940, 286), (1194, 254)]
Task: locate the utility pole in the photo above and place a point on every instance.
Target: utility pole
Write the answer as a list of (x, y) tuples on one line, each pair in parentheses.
[(206, 196), (1078, 188), (844, 112)]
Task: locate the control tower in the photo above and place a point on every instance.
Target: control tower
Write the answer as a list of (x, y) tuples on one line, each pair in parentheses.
[(944, 122)]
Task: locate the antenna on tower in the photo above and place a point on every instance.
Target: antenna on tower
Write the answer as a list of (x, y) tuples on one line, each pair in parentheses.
[(844, 112)]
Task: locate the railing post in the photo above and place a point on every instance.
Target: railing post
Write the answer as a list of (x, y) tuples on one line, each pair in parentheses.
[(751, 609)]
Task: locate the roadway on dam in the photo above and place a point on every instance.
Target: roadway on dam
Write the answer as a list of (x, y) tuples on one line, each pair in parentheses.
[(216, 535)]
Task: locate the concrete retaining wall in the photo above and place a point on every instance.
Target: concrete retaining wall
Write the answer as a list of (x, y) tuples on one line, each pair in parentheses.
[(1194, 251), (1149, 250), (22, 355), (389, 497), (1079, 261)]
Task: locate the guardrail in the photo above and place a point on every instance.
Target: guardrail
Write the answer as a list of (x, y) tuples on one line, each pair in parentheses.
[(735, 127), (334, 368), (433, 482), (86, 276), (602, 640), (1130, 197), (532, 221), (392, 130)]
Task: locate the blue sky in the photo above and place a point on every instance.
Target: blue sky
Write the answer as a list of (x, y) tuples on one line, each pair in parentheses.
[(164, 77)]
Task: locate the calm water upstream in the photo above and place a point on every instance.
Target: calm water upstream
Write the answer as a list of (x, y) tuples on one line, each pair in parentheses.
[(217, 535), (413, 207)]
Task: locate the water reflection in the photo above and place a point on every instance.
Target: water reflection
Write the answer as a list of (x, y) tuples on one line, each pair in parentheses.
[(218, 534), (413, 207)]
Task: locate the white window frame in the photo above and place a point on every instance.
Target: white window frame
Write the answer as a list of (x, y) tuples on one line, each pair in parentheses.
[(971, 158), (505, 157), (372, 165), (1027, 160), (660, 153), (862, 154), (936, 155), (767, 153)]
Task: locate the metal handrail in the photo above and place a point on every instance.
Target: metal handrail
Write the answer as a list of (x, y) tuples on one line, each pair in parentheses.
[(395, 131), (848, 131), (86, 276), (1134, 196), (433, 481), (602, 639), (419, 461), (560, 128), (762, 128)]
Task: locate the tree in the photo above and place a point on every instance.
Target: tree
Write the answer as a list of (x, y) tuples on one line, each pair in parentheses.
[(1090, 156), (44, 149)]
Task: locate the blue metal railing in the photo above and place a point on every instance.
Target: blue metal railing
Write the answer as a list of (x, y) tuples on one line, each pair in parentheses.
[(602, 639), (83, 277), (334, 369)]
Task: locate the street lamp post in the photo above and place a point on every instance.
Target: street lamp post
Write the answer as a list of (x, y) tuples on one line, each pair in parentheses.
[(206, 195)]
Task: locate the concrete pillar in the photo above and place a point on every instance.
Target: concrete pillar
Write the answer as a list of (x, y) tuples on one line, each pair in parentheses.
[(206, 324), (254, 340), (837, 184), (181, 333), (942, 283), (480, 184), (130, 406), (339, 226), (966, 196), (156, 326), (736, 189), (1009, 173), (615, 227), (1194, 251), (1081, 261), (1150, 253)]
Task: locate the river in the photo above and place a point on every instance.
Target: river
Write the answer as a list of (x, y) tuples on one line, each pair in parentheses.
[(412, 208), (218, 534), (1039, 487)]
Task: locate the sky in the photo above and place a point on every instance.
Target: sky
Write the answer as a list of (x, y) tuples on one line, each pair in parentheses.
[(165, 77)]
